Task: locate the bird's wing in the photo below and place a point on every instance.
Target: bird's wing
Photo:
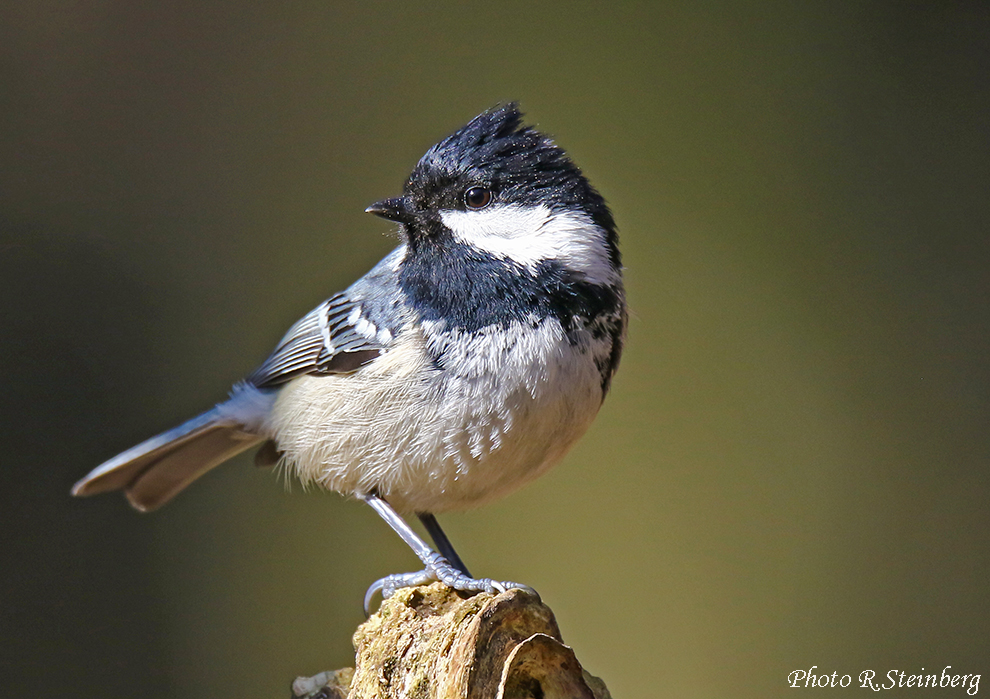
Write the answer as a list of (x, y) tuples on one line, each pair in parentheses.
[(334, 338)]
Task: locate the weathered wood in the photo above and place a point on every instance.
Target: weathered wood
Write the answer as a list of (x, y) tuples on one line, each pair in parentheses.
[(432, 643)]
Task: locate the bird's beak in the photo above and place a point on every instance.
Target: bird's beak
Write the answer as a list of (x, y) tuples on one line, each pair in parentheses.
[(394, 209)]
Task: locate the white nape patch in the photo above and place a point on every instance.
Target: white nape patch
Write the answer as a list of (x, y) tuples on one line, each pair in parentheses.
[(248, 406), (529, 235)]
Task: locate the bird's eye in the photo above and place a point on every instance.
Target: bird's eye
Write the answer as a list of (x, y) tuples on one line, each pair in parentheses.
[(477, 197)]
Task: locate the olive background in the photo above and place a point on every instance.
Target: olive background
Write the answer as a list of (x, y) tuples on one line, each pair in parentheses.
[(791, 469)]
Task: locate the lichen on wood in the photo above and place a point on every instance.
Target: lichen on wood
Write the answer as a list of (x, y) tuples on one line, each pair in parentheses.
[(431, 642)]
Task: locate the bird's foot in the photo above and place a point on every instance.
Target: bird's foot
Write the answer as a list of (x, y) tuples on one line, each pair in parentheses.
[(437, 568)]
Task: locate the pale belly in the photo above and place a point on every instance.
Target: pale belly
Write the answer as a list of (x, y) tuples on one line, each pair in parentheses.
[(431, 440)]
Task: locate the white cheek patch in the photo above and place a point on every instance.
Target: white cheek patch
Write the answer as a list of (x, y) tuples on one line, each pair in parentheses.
[(529, 235)]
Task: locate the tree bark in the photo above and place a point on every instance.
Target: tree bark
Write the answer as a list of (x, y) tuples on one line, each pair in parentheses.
[(433, 643)]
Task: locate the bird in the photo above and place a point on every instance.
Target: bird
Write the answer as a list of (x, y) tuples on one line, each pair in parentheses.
[(463, 365)]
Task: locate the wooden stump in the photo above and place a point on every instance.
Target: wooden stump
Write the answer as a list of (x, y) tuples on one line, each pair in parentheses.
[(431, 643)]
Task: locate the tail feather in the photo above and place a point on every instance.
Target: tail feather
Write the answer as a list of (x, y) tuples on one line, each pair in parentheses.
[(157, 469)]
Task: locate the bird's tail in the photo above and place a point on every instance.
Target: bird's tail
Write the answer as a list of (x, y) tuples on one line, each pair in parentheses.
[(153, 472)]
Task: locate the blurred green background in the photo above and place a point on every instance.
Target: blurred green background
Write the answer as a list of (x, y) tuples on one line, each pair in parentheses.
[(792, 468)]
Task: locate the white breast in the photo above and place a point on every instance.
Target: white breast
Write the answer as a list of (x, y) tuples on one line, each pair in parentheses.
[(430, 439)]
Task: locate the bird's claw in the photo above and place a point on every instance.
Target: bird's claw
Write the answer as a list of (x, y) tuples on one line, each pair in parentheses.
[(439, 569)]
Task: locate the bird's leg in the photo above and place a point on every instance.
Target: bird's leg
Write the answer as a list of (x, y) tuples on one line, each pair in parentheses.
[(443, 543), (437, 567)]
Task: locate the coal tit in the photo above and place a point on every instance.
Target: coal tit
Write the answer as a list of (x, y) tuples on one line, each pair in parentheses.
[(466, 363)]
